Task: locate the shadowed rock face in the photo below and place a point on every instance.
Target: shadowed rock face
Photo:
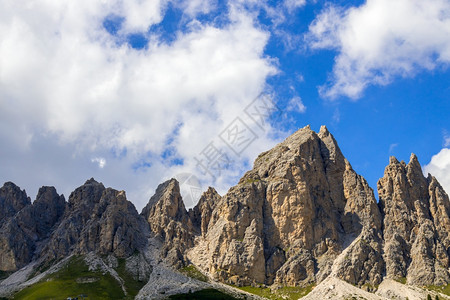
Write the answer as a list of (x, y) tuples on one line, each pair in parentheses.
[(290, 216), (302, 204), (12, 199), (169, 221), (301, 214), (94, 219), (201, 213), (416, 224), (97, 219), (33, 223)]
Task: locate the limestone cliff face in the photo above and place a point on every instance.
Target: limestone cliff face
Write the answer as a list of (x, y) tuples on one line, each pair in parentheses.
[(416, 224), (12, 199), (169, 221), (363, 261), (201, 213), (291, 215), (301, 214), (234, 237), (20, 235), (97, 219)]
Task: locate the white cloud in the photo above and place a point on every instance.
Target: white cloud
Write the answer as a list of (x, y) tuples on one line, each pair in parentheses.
[(195, 7), (292, 5), (296, 104), (100, 161), (439, 167), (70, 92), (139, 14), (381, 40)]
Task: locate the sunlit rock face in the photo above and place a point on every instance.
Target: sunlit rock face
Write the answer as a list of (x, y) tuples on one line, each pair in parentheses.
[(300, 215), (290, 216), (416, 224)]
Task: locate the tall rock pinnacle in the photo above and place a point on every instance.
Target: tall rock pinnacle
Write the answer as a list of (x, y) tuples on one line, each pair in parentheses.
[(416, 224), (169, 221), (300, 216), (290, 216)]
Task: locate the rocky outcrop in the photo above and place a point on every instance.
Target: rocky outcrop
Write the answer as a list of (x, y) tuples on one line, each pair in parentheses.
[(300, 216), (235, 236), (169, 221), (416, 224), (20, 235), (363, 261), (45, 212), (100, 220), (200, 215), (12, 200), (291, 215), (114, 227)]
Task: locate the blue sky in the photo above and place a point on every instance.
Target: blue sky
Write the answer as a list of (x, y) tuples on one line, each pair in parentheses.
[(135, 92)]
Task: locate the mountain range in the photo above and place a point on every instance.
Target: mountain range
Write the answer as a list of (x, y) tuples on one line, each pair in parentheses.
[(302, 222)]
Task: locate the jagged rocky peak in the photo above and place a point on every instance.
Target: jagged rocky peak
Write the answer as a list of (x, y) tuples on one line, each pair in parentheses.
[(301, 202), (115, 227), (300, 215), (170, 222), (167, 201), (48, 208), (201, 213), (12, 199), (20, 235), (416, 224), (302, 147), (100, 220), (88, 194)]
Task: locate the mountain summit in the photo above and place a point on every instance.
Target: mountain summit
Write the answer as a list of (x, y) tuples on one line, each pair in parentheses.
[(301, 217)]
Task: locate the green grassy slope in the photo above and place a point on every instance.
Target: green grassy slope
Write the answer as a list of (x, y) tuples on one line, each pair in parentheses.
[(284, 293), (75, 279)]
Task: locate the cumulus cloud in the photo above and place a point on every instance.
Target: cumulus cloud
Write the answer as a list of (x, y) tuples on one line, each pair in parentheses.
[(70, 90), (439, 167), (381, 40), (100, 161), (138, 15)]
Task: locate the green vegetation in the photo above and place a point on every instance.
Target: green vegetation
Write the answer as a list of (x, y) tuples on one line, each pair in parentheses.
[(203, 295), (252, 180), (444, 289), (193, 272), (132, 286), (401, 280), (42, 268), (279, 294), (72, 280)]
